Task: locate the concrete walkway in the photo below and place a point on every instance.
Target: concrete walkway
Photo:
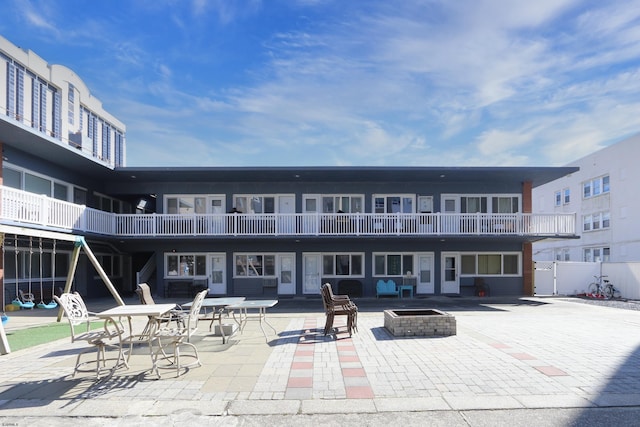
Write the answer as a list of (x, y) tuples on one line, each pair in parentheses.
[(529, 361)]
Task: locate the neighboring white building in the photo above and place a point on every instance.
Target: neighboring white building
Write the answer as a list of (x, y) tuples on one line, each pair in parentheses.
[(604, 196), (53, 101)]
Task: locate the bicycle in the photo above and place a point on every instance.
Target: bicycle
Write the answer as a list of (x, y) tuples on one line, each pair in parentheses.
[(598, 290)]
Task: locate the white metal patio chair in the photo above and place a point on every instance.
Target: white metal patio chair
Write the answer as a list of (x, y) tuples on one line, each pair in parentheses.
[(170, 337), (100, 339)]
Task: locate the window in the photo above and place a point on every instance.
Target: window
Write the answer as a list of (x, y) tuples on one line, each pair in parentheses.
[(12, 178), (111, 264), (71, 102), (255, 265), (35, 183), (342, 264), (473, 204), (393, 204), (505, 205), (109, 204), (59, 262), (596, 221), (602, 254), (558, 198), (186, 205), (562, 254), (185, 265), (567, 196), (490, 264), (392, 264), (342, 203), (595, 187), (255, 204)]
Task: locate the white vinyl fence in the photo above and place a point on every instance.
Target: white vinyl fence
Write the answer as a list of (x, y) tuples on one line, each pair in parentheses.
[(573, 278)]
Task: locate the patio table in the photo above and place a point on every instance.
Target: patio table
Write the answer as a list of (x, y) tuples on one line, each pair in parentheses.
[(219, 306), (151, 311), (261, 316)]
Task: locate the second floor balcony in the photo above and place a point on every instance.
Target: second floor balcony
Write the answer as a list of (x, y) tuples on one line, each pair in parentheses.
[(20, 207)]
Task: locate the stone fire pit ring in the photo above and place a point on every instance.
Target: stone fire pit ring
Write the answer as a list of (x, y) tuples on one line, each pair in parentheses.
[(419, 323)]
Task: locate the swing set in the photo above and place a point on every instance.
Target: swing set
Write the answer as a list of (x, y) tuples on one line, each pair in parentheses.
[(25, 300), (79, 244)]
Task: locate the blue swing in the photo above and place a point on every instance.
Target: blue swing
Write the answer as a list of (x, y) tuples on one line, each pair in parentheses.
[(22, 300), (42, 304)]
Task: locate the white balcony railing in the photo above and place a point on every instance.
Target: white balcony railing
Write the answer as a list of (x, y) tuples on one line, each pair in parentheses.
[(27, 208)]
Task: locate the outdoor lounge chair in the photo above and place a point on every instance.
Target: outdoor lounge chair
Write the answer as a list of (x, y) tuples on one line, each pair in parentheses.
[(338, 305), (80, 318)]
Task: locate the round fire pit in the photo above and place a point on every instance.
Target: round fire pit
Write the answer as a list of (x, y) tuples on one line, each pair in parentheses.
[(419, 322)]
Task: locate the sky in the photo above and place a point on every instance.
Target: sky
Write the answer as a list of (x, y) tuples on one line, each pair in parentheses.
[(349, 83)]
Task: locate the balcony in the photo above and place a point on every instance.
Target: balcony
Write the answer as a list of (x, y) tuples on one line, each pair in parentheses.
[(23, 208)]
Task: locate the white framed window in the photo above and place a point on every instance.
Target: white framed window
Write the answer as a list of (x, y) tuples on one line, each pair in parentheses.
[(483, 203), (558, 198), (473, 204), (595, 187), (342, 203), (393, 203), (566, 196), (254, 265), (33, 182), (505, 204), (254, 203), (393, 264), (562, 254), (185, 264), (185, 204), (596, 221), (342, 264), (490, 264), (596, 254)]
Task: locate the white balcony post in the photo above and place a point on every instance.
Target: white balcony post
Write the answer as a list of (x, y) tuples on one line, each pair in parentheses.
[(82, 223), (44, 211)]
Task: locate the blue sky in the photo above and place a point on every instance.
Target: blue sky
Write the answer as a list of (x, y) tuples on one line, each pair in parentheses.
[(338, 83)]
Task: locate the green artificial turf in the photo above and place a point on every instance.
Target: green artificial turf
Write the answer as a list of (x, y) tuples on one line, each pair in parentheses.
[(29, 337)]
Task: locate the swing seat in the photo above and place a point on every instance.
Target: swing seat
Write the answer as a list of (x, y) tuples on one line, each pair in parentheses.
[(18, 303), (24, 300), (50, 305)]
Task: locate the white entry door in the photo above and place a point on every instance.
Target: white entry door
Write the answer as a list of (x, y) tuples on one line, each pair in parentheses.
[(287, 274), (450, 223), (217, 274), (425, 284), (312, 265), (310, 206), (450, 273), (216, 206), (286, 209)]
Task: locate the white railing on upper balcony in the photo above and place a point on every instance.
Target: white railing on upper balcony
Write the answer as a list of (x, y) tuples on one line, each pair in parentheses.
[(28, 208)]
